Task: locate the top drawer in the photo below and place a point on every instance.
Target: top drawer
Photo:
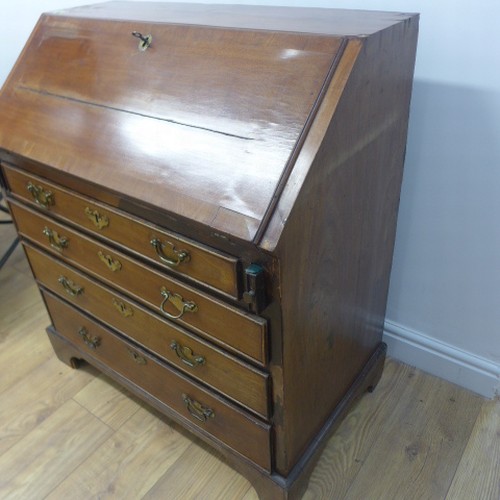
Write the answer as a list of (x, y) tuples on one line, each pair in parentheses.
[(180, 255)]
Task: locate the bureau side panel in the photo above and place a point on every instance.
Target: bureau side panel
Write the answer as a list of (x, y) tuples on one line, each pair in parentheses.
[(337, 245)]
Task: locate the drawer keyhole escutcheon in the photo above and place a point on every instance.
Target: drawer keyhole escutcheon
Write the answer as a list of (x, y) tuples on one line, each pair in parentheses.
[(197, 410), (178, 302), (112, 264), (56, 241), (99, 221), (92, 342), (124, 309), (185, 354), (71, 288), (179, 256), (140, 360), (42, 197)]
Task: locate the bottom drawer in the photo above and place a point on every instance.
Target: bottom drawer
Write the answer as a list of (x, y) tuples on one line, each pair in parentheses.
[(226, 423)]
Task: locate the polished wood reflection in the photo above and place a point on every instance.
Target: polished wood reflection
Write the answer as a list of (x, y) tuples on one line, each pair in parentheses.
[(212, 112)]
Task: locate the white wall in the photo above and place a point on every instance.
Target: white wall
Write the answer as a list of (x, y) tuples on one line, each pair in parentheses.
[(444, 304)]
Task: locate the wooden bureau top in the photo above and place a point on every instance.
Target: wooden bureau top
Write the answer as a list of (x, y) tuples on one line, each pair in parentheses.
[(337, 22), (206, 124)]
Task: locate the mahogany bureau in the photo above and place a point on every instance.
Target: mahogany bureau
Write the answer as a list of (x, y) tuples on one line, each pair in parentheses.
[(207, 196)]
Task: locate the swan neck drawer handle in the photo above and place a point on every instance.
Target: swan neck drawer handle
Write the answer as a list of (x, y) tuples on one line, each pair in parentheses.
[(71, 288), (57, 242), (179, 256), (178, 302), (197, 410), (92, 342), (42, 197), (186, 355)]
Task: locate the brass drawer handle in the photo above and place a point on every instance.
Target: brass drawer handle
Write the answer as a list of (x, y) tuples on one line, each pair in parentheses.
[(42, 197), (92, 342), (99, 221), (197, 410), (178, 302), (180, 256), (112, 264), (124, 309), (71, 288), (185, 354), (56, 241), (140, 360)]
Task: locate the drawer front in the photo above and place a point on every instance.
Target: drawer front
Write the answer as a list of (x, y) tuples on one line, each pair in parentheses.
[(179, 255), (190, 402), (185, 305), (225, 373)]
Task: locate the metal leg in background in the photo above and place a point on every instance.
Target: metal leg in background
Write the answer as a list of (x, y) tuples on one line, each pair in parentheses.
[(13, 245), (8, 253)]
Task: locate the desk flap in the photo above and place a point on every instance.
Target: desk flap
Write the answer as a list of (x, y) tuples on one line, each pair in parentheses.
[(203, 123)]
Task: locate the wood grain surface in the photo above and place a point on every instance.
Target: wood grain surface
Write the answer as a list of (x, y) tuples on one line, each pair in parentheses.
[(203, 124), (246, 384), (213, 317), (203, 264), (227, 423), (335, 249)]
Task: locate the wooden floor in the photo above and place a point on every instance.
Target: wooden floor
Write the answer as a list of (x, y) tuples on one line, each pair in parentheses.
[(73, 434)]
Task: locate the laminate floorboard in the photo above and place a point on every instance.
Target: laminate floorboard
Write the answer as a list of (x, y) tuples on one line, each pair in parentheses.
[(76, 434), (478, 473)]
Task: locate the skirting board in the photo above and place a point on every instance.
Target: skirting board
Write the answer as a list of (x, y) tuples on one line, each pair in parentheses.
[(442, 360)]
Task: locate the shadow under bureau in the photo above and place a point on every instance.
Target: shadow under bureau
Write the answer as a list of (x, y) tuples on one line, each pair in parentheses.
[(207, 196)]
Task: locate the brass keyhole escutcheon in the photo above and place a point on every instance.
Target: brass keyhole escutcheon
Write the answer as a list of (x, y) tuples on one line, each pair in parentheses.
[(112, 264), (100, 221), (124, 309), (140, 360)]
